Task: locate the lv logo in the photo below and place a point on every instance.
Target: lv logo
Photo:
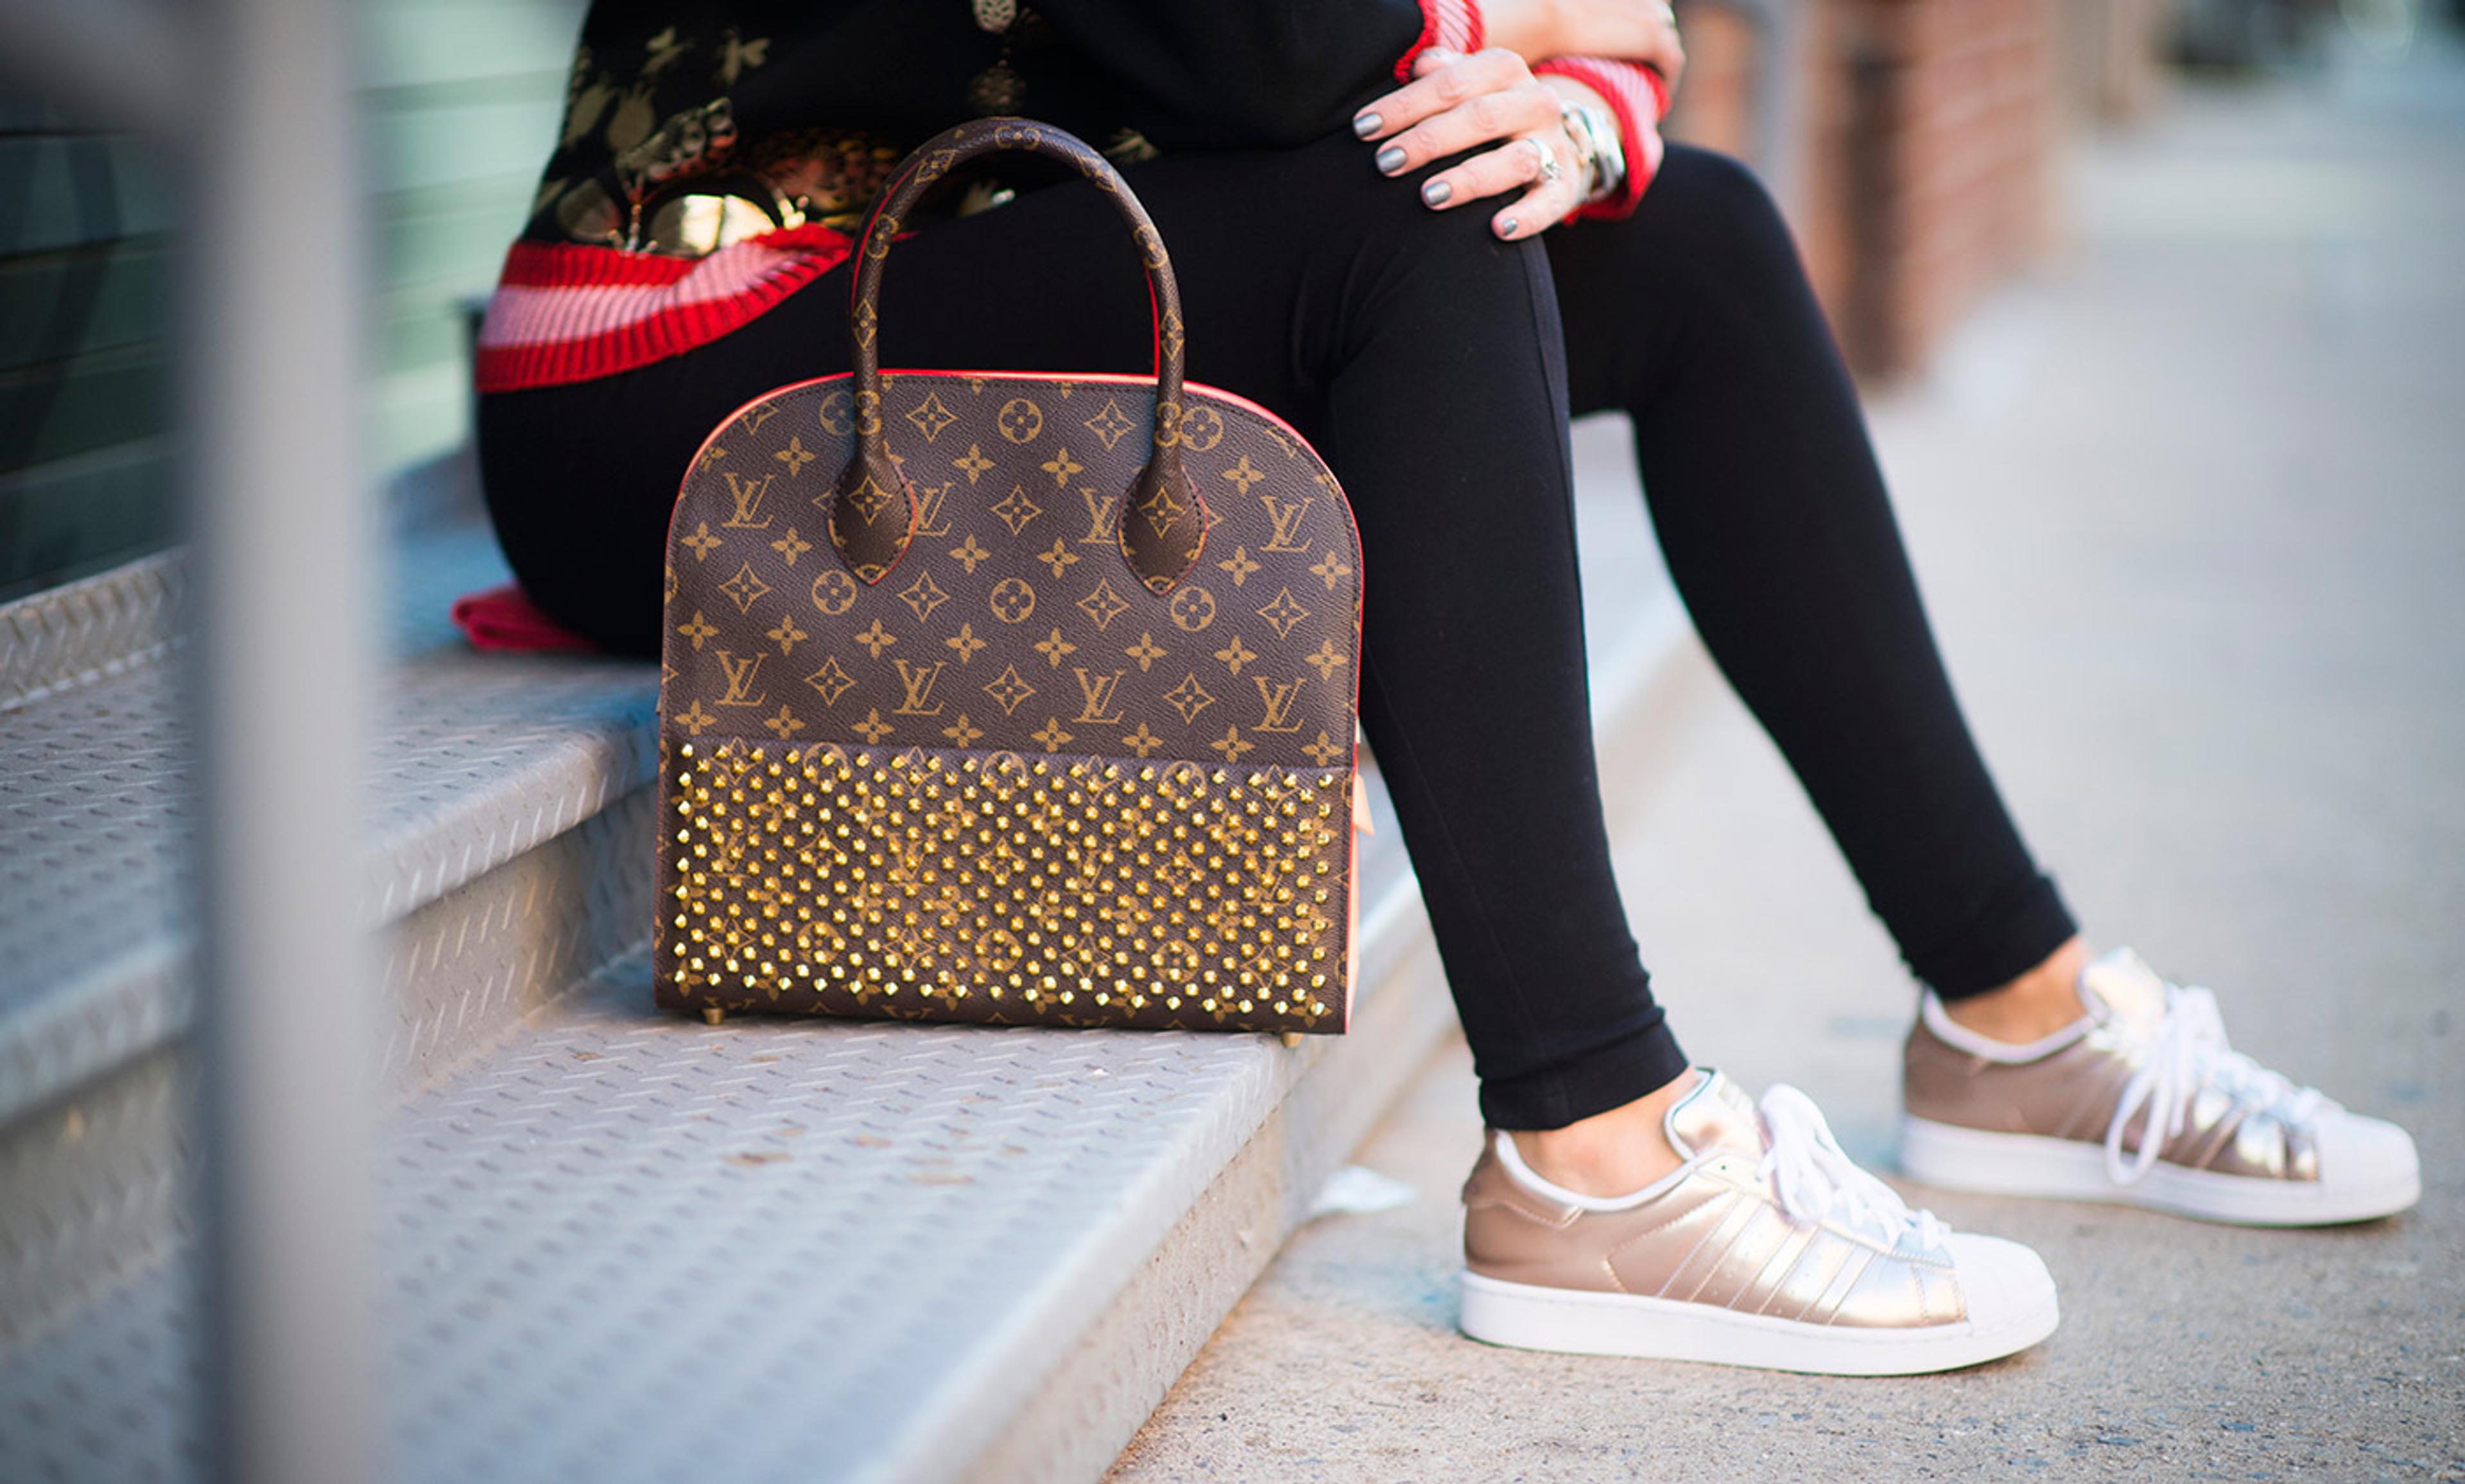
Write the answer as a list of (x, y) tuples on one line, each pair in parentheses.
[(729, 851), (929, 520), (1095, 694), (746, 494), (1279, 700), (1287, 521), (740, 674), (916, 683), (1099, 518)]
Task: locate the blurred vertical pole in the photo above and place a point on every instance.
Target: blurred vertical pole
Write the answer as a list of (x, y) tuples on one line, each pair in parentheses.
[(1780, 100), (281, 524), (1775, 103)]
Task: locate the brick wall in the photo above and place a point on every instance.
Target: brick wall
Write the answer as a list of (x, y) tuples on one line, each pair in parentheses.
[(2114, 56), (1925, 136), (1953, 156)]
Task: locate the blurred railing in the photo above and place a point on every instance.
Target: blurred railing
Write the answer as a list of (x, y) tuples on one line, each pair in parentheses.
[(246, 103)]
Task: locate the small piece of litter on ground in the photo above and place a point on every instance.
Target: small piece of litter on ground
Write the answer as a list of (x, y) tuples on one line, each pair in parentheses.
[(1358, 1190)]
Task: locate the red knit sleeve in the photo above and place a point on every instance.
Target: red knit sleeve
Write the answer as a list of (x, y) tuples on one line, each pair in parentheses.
[(1453, 24), (1640, 97)]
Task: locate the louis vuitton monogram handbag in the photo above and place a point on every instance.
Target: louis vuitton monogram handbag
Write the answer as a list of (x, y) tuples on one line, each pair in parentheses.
[(1009, 697)]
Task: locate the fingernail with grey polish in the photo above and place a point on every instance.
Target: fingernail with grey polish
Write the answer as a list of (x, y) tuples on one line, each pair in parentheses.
[(1506, 227), (1436, 192), (1390, 159), (1365, 124)]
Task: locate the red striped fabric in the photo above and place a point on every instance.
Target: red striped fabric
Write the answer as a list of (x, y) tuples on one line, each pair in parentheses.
[(1453, 24), (1639, 98), (568, 312)]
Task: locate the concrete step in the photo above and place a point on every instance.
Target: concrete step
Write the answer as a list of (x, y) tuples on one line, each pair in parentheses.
[(614, 1243)]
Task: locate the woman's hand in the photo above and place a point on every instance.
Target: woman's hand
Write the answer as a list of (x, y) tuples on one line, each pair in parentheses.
[(1631, 30), (1454, 103)]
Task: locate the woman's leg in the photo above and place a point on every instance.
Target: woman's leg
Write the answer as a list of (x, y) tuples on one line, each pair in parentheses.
[(1422, 358), (1694, 317)]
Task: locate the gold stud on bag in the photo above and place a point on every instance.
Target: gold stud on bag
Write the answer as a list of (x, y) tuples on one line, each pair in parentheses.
[(979, 705)]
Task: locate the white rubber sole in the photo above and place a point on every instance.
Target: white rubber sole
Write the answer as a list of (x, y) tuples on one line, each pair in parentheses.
[(1575, 1323), (1969, 1159)]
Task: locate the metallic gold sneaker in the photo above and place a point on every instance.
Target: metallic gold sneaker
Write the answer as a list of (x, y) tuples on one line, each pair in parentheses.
[(1766, 1247), (2070, 1116)]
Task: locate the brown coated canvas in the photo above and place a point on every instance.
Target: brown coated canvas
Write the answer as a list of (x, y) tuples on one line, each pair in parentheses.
[(1009, 780)]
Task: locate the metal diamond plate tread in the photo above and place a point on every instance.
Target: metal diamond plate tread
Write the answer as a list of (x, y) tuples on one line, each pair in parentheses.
[(84, 632), (625, 1245), (93, 894), (474, 762), (114, 1399), (879, 1222), (92, 1194)]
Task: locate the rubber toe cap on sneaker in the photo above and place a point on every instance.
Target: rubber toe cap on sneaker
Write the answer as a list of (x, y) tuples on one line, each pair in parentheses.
[(2367, 1166), (2007, 1289)]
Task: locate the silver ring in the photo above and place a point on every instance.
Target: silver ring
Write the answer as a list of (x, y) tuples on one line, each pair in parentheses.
[(1551, 169)]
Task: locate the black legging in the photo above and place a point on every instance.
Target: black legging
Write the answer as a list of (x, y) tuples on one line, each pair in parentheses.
[(1426, 363)]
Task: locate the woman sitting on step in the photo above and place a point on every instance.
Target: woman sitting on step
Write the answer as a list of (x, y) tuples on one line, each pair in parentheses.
[(1427, 253)]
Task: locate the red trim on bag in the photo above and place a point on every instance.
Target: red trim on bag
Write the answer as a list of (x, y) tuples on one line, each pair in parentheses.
[(1108, 378)]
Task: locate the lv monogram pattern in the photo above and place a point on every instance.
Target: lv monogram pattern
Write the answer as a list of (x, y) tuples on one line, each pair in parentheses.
[(1164, 515), (1012, 622), (1008, 641), (1009, 697)]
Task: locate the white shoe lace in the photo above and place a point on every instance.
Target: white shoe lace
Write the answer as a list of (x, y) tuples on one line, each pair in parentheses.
[(1816, 1181), (2189, 1052)]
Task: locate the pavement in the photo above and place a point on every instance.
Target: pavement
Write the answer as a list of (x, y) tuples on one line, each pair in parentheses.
[(2189, 511)]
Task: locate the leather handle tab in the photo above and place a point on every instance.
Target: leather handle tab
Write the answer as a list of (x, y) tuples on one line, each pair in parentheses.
[(1164, 521)]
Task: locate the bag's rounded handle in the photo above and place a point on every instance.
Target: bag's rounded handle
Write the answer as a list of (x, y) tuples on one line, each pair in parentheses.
[(873, 515)]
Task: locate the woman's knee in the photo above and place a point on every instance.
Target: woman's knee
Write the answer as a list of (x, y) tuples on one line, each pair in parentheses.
[(1358, 251), (1330, 193), (1708, 219), (1720, 195)]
